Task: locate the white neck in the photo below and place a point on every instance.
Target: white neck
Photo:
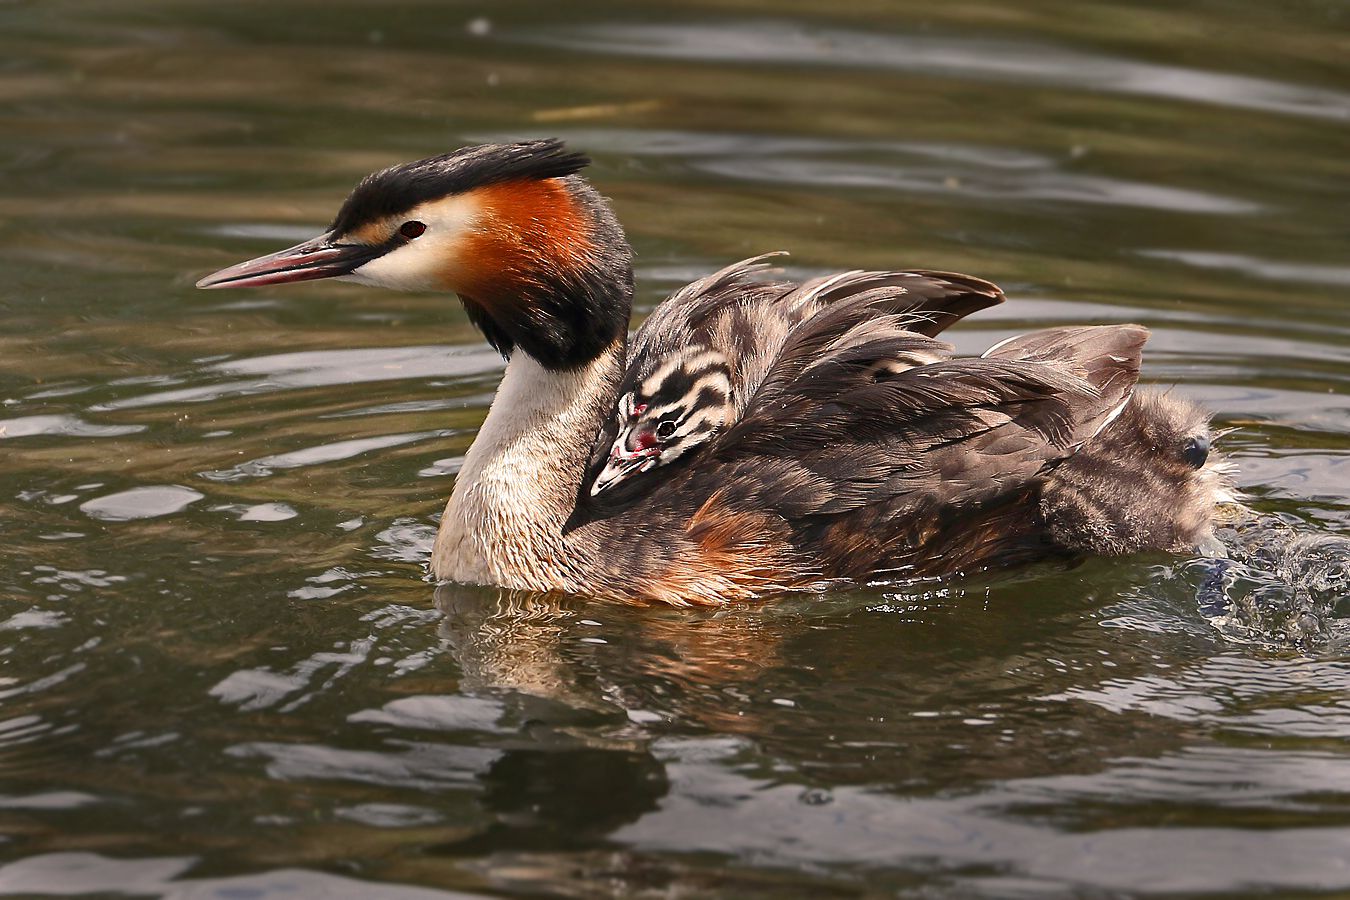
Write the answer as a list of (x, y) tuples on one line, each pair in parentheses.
[(518, 485)]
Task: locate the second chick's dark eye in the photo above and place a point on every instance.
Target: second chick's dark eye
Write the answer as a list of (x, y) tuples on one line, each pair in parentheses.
[(412, 229), (1196, 451), (665, 429)]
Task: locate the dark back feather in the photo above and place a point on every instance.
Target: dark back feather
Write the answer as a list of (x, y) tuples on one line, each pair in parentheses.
[(863, 470), (744, 329)]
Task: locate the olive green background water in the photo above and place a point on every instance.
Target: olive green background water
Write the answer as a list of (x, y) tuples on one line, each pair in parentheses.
[(223, 674)]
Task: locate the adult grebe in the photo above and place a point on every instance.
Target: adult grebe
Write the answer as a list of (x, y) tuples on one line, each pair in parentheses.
[(762, 435)]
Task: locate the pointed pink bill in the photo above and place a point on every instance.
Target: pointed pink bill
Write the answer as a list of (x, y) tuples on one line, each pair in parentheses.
[(623, 464), (316, 258)]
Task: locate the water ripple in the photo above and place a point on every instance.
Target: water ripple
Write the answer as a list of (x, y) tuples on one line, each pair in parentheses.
[(407, 764), (1272, 697), (319, 454), (80, 873), (64, 425), (1004, 185), (988, 172), (1025, 62), (262, 688), (438, 712), (718, 807), (141, 503), (1259, 268), (322, 368)]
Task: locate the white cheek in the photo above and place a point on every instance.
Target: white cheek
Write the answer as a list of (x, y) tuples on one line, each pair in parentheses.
[(425, 263), (415, 266)]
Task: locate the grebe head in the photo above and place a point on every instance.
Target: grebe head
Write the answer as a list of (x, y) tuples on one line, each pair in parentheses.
[(667, 412), (533, 252)]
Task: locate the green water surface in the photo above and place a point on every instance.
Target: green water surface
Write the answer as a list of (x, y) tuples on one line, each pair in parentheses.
[(223, 675)]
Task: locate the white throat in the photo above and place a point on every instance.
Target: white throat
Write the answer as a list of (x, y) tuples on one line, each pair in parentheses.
[(503, 523)]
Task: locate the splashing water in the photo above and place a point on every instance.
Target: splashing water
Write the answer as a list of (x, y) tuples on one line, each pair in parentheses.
[(1280, 587)]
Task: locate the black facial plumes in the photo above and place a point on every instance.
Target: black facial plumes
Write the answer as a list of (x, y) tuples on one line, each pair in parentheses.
[(396, 190)]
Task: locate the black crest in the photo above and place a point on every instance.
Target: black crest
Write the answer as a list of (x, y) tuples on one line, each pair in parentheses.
[(400, 188)]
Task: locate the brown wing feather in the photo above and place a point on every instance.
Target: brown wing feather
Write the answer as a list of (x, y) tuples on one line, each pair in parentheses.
[(758, 324), (850, 470)]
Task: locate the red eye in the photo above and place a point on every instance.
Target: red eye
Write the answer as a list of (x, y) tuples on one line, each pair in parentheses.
[(411, 230)]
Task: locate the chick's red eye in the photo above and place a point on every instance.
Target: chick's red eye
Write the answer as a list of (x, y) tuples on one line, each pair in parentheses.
[(412, 229)]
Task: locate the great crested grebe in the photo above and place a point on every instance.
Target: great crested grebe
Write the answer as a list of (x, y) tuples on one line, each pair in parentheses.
[(762, 435)]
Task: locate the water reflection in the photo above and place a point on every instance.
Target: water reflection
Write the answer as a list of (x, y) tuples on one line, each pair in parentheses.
[(750, 751), (781, 678), (1011, 828), (80, 874)]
